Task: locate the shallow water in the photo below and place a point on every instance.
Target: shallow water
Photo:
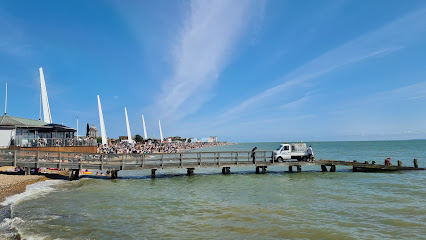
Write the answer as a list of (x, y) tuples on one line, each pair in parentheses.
[(243, 205)]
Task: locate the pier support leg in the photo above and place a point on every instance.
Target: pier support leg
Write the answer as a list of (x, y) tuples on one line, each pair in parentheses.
[(153, 173), (299, 168), (323, 168), (257, 170), (290, 168), (74, 174), (415, 163), (190, 171), (264, 169), (27, 171), (114, 174), (226, 170), (333, 168), (399, 163)]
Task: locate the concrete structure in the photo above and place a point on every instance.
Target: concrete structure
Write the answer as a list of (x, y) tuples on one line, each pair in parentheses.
[(129, 134), (161, 132), (45, 100), (101, 120), (144, 129)]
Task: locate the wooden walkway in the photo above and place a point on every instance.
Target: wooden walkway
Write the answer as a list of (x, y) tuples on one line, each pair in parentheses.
[(189, 160)]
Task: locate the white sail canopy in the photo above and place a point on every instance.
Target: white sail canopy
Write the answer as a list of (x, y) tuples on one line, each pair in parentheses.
[(101, 119), (46, 109), (144, 128), (129, 135), (161, 132)]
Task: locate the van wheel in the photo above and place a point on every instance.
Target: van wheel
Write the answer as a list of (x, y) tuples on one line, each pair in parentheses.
[(280, 159)]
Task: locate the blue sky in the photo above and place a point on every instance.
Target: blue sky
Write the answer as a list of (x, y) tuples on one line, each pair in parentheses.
[(244, 71)]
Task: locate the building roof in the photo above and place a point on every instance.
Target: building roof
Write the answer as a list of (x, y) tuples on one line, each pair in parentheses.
[(12, 122), (20, 122)]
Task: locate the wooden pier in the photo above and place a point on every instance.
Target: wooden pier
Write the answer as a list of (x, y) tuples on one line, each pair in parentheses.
[(75, 162)]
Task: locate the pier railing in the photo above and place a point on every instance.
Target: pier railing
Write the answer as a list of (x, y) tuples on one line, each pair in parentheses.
[(38, 159)]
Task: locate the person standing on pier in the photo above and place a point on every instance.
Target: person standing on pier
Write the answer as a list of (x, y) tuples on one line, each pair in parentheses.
[(253, 154), (310, 154)]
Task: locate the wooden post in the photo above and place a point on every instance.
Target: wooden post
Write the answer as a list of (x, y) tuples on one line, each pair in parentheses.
[(153, 173), (190, 171), (257, 170), (14, 158), (290, 168), (323, 168), (143, 160), (237, 158), (226, 170), (122, 162), (38, 159), (180, 159), (264, 169), (160, 164), (299, 168), (218, 159), (114, 174), (399, 163), (415, 163), (102, 161), (333, 168), (199, 158), (60, 161), (27, 171)]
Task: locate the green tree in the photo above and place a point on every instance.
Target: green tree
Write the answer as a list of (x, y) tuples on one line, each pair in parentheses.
[(138, 138)]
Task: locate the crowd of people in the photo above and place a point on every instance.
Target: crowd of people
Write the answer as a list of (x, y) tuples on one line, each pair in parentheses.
[(140, 148)]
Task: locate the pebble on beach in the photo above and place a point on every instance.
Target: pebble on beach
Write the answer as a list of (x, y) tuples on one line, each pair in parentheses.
[(14, 184)]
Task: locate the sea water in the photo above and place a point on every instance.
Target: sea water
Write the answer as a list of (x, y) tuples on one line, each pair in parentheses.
[(243, 205)]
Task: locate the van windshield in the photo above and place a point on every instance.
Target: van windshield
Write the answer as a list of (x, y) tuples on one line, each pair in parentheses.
[(279, 148)]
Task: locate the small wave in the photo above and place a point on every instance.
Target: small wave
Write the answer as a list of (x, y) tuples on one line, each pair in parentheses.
[(32, 191)]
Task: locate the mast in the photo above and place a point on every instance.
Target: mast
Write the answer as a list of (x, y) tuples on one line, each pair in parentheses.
[(144, 129), (101, 120), (77, 126), (45, 100), (161, 132), (39, 116), (129, 135), (5, 102)]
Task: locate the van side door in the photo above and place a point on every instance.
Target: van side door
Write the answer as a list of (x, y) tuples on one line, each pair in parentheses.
[(286, 152)]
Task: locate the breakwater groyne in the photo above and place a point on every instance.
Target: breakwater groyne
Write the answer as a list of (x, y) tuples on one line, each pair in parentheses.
[(186, 160)]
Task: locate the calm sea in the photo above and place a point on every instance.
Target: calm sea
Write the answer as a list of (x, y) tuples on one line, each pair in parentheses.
[(243, 205)]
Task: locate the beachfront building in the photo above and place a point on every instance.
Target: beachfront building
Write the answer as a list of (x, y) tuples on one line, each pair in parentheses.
[(30, 133)]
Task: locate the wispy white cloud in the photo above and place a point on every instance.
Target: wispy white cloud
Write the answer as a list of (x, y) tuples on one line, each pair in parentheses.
[(204, 47), (380, 42), (12, 39)]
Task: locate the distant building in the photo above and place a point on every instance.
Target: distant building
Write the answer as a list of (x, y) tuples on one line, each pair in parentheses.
[(209, 139), (93, 132)]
